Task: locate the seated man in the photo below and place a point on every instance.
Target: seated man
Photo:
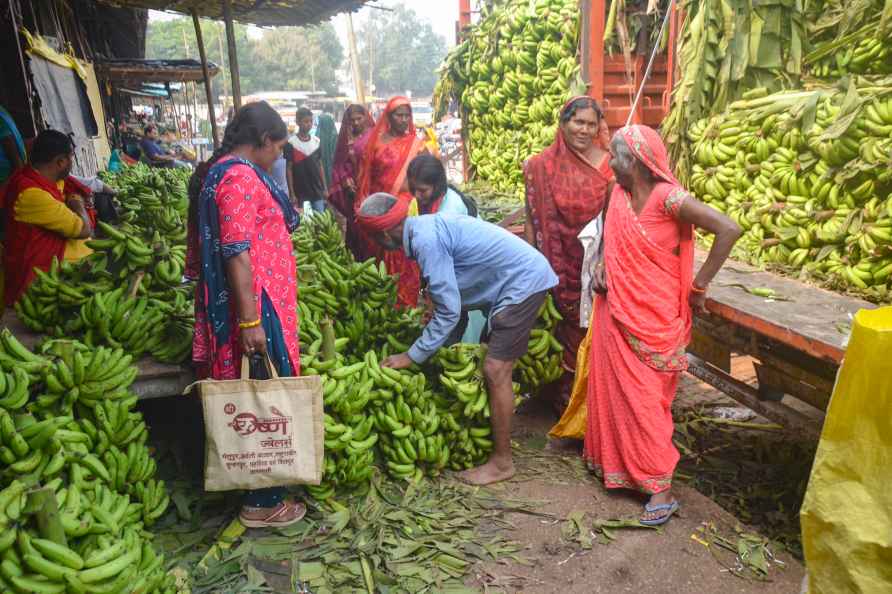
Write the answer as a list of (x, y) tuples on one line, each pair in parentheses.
[(45, 214), (153, 153), (469, 264)]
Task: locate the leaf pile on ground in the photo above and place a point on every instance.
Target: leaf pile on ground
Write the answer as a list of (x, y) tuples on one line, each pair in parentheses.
[(758, 474), (425, 537)]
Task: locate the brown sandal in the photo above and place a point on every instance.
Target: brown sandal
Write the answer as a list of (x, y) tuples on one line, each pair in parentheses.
[(275, 517)]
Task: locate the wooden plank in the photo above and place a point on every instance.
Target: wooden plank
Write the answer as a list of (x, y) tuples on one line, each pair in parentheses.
[(775, 381), (810, 322), (710, 349), (748, 396), (512, 218), (153, 380)]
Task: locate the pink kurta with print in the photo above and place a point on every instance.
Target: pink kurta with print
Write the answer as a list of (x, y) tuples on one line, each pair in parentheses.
[(249, 214)]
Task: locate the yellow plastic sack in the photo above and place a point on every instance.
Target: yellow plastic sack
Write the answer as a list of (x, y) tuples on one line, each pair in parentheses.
[(847, 513), (572, 423)]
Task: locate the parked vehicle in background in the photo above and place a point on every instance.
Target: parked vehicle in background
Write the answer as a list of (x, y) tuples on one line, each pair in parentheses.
[(423, 114)]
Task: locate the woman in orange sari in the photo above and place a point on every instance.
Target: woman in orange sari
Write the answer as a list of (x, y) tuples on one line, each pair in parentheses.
[(641, 323), (390, 148), (567, 186)]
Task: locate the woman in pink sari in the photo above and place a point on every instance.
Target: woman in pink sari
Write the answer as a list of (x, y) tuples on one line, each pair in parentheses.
[(389, 149), (642, 318)]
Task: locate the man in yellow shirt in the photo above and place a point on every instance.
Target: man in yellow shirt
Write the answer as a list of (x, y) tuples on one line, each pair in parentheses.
[(45, 214)]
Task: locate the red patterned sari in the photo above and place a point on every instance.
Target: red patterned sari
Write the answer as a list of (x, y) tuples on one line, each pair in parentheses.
[(640, 329), (564, 193), (344, 170), (383, 169)]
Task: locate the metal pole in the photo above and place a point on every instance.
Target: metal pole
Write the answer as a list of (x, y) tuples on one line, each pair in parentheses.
[(220, 34), (354, 61), (233, 56), (650, 62), (207, 78)]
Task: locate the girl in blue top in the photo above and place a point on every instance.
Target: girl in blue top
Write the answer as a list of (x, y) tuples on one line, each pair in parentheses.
[(433, 194)]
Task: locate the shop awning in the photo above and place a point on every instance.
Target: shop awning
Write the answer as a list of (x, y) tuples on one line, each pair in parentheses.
[(145, 92), (265, 13), (159, 71)]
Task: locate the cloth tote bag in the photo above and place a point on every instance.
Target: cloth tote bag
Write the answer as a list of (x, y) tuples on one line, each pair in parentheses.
[(262, 433)]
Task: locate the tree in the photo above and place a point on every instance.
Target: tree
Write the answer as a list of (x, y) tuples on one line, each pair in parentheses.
[(282, 59), (404, 52), (174, 39), (298, 58)]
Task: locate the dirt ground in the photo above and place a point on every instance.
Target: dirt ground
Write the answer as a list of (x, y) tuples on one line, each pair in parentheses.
[(667, 561)]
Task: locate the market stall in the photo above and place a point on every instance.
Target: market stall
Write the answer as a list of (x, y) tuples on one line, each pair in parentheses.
[(284, 12), (157, 83)]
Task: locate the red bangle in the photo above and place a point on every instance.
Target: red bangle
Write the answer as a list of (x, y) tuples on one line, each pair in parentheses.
[(697, 290)]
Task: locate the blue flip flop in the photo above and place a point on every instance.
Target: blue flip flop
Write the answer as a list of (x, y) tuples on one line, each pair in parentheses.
[(670, 509)]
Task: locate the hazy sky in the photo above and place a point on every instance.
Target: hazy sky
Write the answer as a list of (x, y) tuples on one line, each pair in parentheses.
[(441, 13)]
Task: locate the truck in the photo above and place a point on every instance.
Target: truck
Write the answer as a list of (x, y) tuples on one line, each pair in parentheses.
[(795, 343)]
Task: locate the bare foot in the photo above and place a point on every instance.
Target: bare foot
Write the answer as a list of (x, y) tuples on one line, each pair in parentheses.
[(284, 514), (489, 473)]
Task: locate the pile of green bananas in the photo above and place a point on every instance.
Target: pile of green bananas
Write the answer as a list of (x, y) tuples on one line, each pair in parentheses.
[(812, 194), (147, 313), (721, 57), (372, 415), (153, 199), (124, 255), (512, 74), (358, 297), (129, 293), (845, 41), (409, 423), (541, 364), (68, 432), (464, 403)]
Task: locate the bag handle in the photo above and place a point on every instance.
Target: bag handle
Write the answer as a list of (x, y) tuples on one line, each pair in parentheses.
[(246, 367)]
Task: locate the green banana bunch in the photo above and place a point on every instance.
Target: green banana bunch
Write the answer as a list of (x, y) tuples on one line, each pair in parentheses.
[(464, 405), (67, 424), (511, 75), (854, 43), (99, 563), (810, 196), (713, 74), (541, 364), (153, 312), (153, 200), (357, 296), (54, 293)]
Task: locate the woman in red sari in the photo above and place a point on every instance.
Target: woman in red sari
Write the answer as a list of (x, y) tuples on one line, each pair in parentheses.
[(641, 323), (567, 186), (390, 148), (356, 124)]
